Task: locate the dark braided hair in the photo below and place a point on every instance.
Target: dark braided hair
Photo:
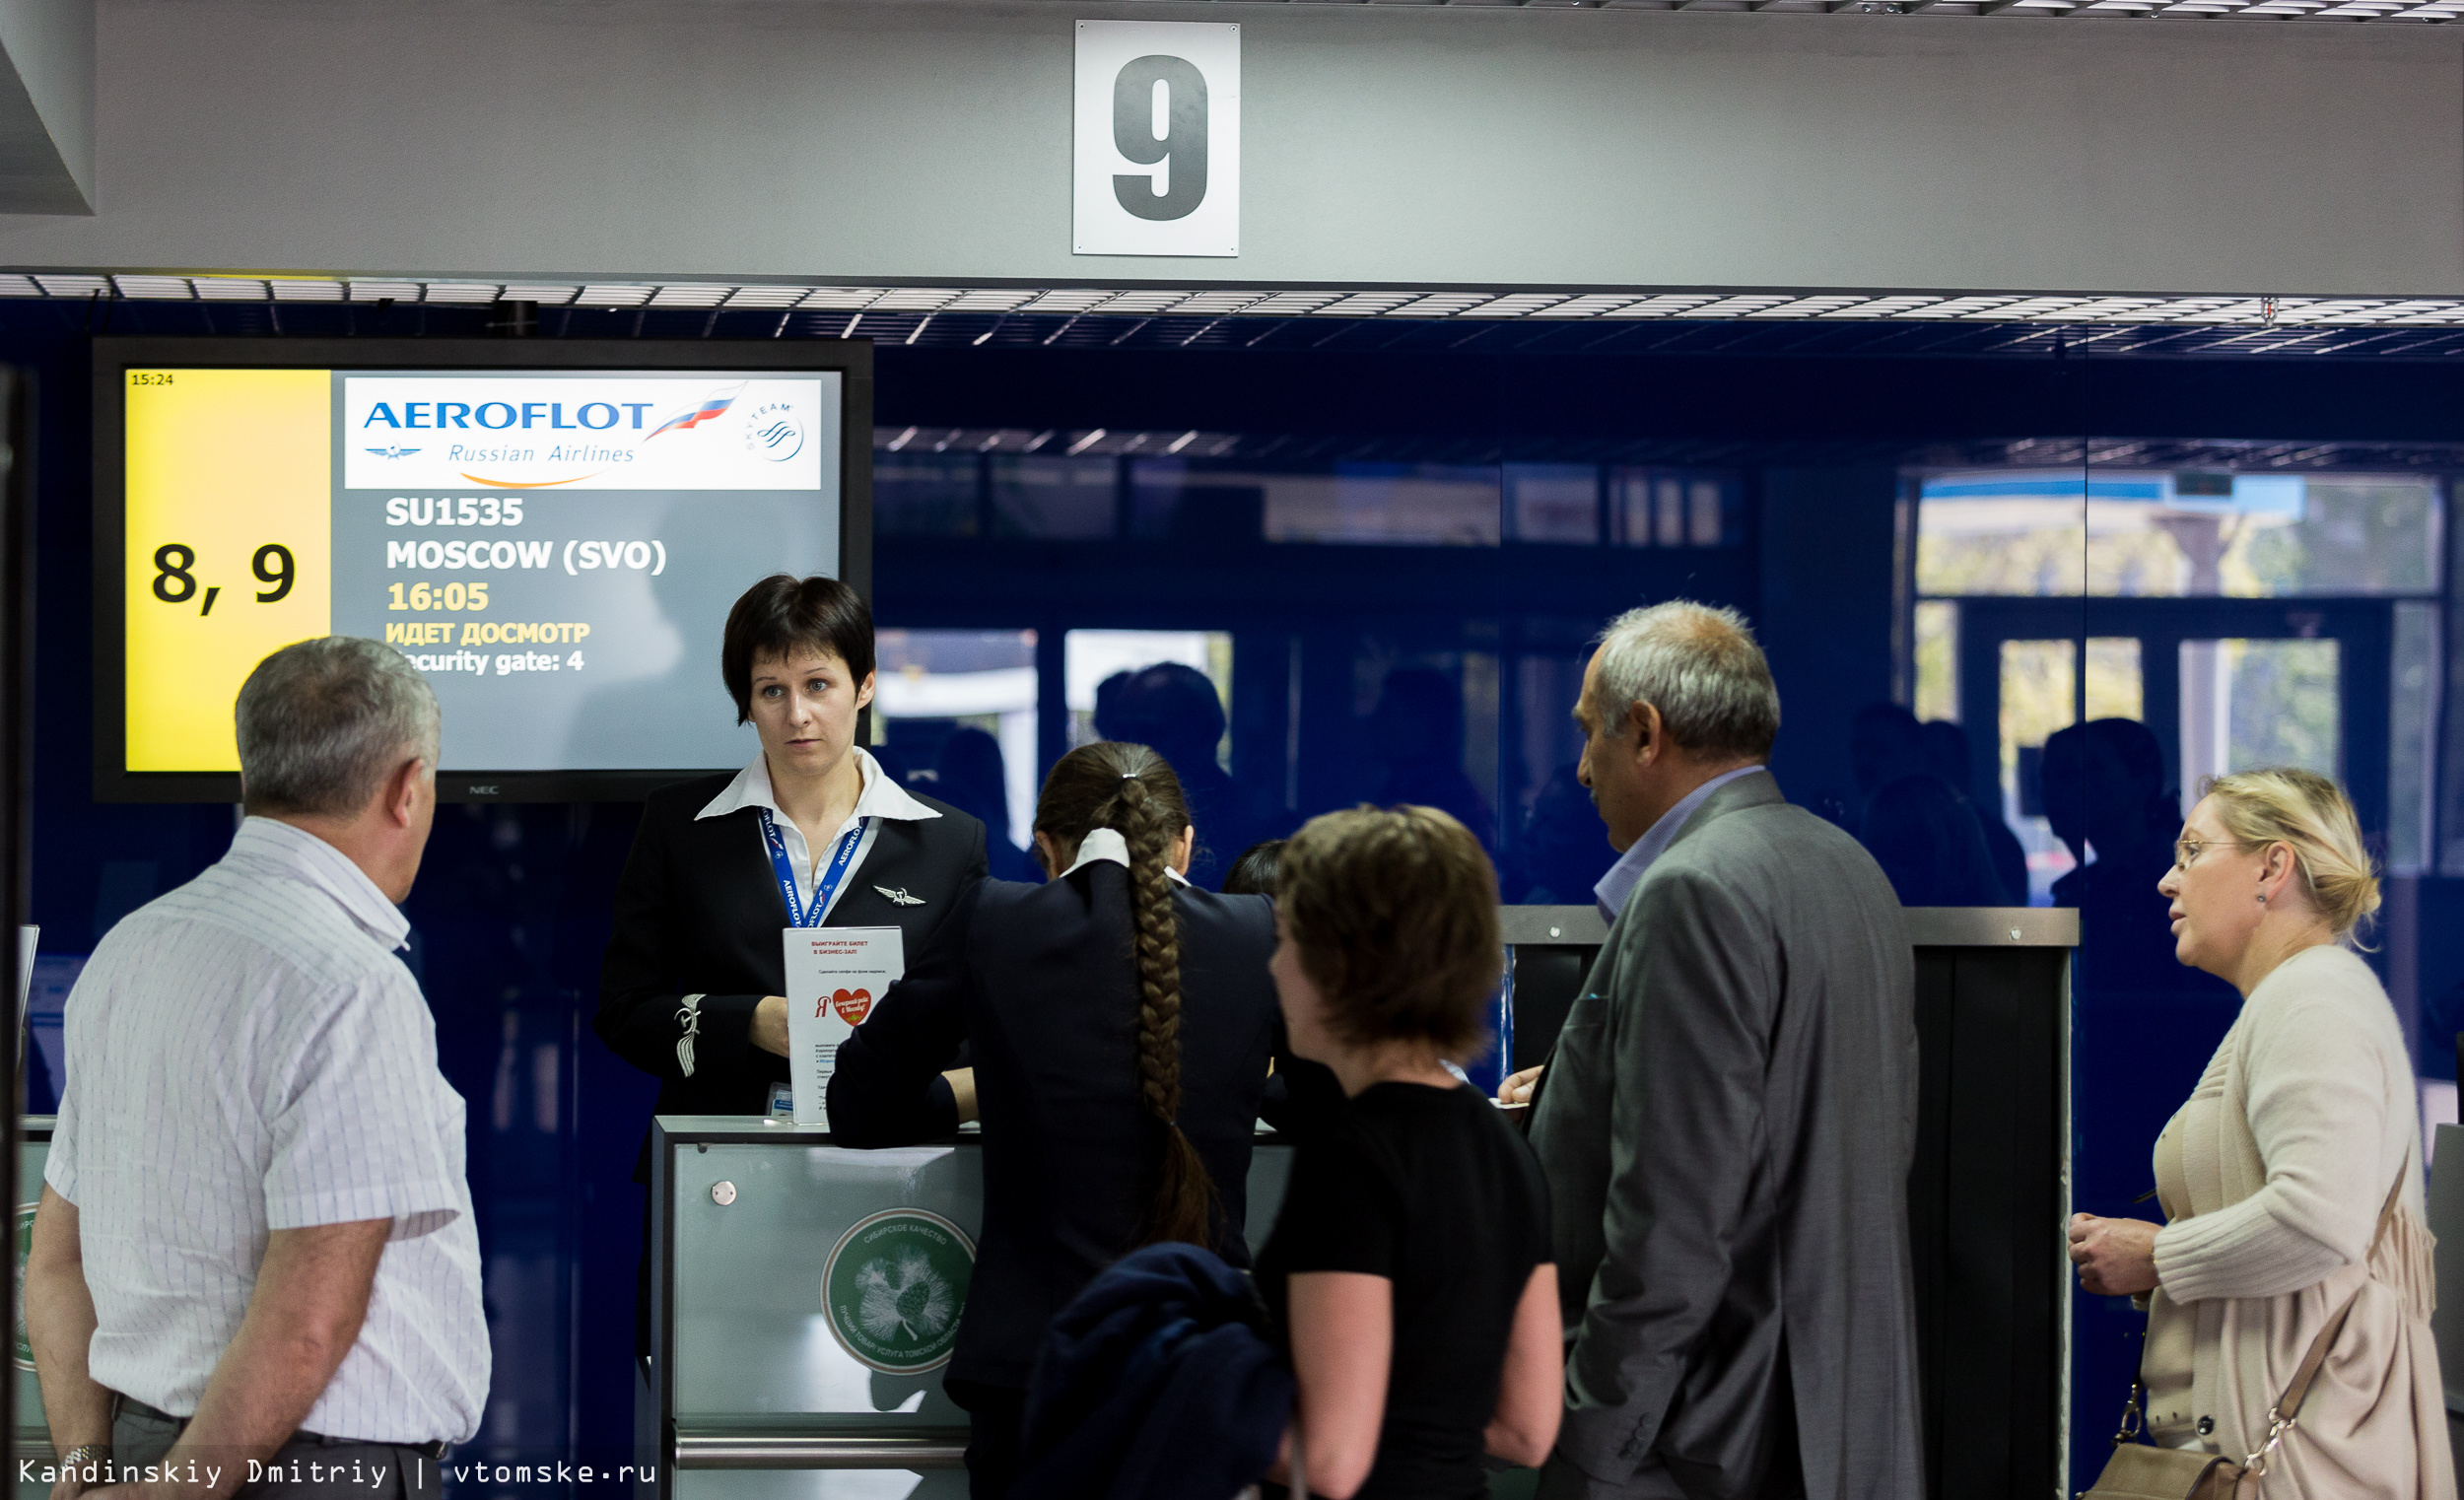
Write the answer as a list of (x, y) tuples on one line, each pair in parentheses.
[(1131, 789)]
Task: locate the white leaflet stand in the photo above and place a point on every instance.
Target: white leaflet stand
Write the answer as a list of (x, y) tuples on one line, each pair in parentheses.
[(835, 977)]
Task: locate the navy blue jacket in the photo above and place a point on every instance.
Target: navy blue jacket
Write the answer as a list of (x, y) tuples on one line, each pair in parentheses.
[(1039, 983), (1157, 1383)]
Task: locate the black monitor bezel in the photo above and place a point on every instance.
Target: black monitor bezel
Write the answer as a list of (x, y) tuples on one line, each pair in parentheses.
[(114, 357)]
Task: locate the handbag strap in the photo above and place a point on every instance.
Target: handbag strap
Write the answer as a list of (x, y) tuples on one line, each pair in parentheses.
[(2281, 1417)]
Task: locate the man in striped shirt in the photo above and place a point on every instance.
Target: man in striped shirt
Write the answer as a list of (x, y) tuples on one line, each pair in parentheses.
[(255, 1269)]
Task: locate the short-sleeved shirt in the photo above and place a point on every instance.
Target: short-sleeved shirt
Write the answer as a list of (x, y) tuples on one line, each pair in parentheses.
[(1431, 1188), (247, 1054)]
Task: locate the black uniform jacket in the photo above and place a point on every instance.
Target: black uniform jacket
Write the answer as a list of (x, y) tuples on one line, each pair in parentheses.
[(1041, 983), (699, 911)]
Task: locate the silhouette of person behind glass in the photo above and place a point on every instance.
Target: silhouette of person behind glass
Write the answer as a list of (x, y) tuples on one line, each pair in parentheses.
[(974, 778), (2105, 794), (1947, 755), (1416, 737), (1911, 833), (1562, 856), (1885, 743), (1173, 709), (1926, 837)]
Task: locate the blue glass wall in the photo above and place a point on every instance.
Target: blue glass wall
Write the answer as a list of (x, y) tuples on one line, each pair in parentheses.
[(1387, 568)]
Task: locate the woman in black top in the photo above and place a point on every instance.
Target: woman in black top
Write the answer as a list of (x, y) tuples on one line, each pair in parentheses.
[(1119, 1023), (692, 990), (1410, 1269)]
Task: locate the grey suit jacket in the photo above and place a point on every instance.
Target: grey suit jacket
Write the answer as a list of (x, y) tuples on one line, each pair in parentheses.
[(1727, 1127)]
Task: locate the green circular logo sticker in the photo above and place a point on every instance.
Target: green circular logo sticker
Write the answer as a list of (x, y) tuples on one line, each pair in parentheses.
[(893, 1288), (24, 1350)]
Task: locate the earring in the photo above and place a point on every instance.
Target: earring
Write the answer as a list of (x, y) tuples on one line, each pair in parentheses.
[(2262, 898)]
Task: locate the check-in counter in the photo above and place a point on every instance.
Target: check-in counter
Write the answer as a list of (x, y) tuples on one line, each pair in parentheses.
[(805, 1298), (1989, 1192), (804, 1294)]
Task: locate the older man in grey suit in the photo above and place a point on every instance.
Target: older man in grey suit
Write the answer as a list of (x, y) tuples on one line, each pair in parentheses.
[(1728, 1120)]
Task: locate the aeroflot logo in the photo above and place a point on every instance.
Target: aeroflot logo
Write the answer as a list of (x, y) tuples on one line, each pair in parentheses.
[(497, 416)]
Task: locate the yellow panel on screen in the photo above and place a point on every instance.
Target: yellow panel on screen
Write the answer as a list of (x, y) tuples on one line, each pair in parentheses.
[(230, 539)]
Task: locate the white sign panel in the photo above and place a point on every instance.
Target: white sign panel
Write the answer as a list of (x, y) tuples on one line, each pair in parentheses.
[(835, 977), (584, 431), (1156, 158)]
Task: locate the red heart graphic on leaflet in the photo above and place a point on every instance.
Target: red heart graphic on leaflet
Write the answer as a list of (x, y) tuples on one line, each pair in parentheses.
[(852, 1007)]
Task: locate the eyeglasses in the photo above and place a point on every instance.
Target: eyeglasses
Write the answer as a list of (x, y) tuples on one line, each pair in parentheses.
[(2187, 850)]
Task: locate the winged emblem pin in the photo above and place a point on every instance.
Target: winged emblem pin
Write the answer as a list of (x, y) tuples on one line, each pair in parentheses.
[(899, 897)]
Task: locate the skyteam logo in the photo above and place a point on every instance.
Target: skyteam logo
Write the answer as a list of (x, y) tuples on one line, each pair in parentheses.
[(711, 407), (773, 432)]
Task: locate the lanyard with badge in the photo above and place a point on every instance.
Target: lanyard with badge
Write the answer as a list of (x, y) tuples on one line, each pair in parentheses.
[(825, 886)]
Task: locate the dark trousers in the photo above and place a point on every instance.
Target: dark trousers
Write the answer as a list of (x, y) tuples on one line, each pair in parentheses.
[(308, 1468), (995, 1415)]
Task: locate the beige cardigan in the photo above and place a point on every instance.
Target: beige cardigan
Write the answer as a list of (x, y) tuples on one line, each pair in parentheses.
[(2272, 1176)]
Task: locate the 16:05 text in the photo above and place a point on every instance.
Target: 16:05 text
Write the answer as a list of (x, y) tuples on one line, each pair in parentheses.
[(427, 595)]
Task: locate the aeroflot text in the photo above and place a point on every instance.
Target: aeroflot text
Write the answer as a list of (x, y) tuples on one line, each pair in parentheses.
[(426, 416)]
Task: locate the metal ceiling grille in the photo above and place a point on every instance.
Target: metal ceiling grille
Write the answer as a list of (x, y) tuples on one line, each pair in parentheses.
[(1629, 321), (1274, 448), (2263, 312), (2201, 10)]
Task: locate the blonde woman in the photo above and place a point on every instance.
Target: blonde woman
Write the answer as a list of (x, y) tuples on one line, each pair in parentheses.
[(2275, 1175)]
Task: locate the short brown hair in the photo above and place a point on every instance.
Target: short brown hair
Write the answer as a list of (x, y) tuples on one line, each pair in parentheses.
[(783, 612), (1394, 913)]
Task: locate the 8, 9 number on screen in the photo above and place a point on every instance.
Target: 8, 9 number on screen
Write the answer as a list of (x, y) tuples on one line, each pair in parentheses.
[(175, 582)]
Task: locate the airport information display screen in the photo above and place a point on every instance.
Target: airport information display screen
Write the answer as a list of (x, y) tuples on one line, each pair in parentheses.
[(554, 549)]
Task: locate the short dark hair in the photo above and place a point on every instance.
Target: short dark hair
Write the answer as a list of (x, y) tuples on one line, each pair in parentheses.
[(1254, 872), (783, 612), (1394, 913)]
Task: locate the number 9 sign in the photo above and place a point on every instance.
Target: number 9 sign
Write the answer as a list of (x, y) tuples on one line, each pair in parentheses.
[(1156, 161)]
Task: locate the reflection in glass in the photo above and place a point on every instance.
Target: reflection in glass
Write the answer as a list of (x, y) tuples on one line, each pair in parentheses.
[(2247, 703), (2046, 533), (1916, 818), (1094, 659), (1668, 508), (925, 494), (1937, 660), (2113, 687), (1057, 497), (957, 711), (2039, 686), (1171, 690), (2413, 736), (1554, 503), (1389, 504)]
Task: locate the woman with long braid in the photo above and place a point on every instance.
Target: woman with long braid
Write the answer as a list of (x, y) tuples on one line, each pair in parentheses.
[(1119, 1023)]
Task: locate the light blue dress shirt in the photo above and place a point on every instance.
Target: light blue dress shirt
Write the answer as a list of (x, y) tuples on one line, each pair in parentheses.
[(1628, 872)]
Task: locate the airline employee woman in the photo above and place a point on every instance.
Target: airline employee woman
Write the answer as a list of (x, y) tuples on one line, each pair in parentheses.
[(813, 833)]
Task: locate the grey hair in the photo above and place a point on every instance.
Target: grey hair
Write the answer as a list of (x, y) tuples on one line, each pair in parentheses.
[(1700, 667), (323, 722)]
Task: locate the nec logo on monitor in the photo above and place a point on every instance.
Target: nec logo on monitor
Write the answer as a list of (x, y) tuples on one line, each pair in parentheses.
[(481, 792)]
